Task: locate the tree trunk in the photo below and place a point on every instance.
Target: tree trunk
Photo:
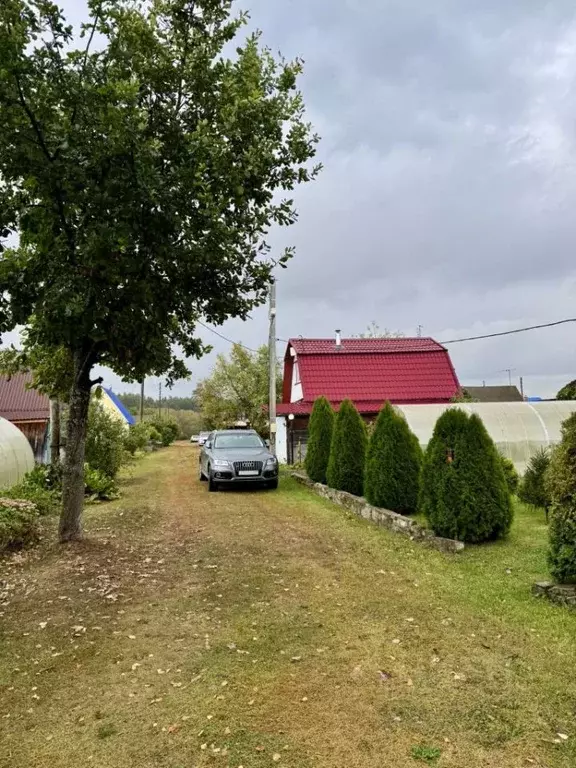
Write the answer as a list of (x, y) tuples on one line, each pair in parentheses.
[(73, 477), (55, 425)]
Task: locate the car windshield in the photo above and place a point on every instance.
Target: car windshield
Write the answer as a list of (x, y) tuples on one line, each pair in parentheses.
[(242, 440)]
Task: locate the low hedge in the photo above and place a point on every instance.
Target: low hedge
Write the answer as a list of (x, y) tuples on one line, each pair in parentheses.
[(19, 523)]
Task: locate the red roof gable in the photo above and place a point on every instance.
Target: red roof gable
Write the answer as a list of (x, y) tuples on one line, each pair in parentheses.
[(17, 403), (369, 372)]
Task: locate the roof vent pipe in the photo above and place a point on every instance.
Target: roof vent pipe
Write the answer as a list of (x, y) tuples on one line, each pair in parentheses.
[(338, 339)]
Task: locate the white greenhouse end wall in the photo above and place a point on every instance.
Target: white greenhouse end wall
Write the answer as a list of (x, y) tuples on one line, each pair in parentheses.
[(16, 456), (518, 429)]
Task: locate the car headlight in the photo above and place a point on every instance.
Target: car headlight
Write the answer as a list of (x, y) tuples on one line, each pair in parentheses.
[(221, 463), (271, 462)]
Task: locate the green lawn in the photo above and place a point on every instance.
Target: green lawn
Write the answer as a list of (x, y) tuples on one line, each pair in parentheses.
[(260, 628)]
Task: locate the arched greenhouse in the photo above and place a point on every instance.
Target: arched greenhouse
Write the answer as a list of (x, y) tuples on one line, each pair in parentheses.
[(16, 456), (518, 429)]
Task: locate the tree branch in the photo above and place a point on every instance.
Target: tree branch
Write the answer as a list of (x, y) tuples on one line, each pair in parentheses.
[(33, 121), (184, 60), (85, 60), (44, 147)]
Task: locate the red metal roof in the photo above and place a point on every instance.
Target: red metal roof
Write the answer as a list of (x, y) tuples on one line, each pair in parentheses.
[(18, 403), (369, 372), (364, 346)]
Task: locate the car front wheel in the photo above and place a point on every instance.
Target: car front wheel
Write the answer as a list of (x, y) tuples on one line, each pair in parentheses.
[(212, 486), (273, 484), (202, 475)]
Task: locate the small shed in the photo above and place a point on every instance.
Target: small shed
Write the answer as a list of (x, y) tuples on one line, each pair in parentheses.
[(491, 394), (116, 408), (16, 456), (28, 410)]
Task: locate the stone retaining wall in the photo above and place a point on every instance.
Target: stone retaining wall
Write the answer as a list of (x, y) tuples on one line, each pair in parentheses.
[(384, 517), (563, 594)]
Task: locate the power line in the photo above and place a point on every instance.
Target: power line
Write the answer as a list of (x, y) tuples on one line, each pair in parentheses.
[(509, 333), (230, 341), (449, 341)]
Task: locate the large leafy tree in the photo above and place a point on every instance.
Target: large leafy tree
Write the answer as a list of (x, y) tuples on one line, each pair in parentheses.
[(373, 331), (237, 390), (568, 392), (393, 463), (141, 176)]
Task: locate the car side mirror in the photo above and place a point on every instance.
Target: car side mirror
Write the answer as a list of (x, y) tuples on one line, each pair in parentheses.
[(208, 444), (267, 443)]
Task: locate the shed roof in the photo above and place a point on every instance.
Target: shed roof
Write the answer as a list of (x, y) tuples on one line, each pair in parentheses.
[(20, 403), (120, 406), (503, 394)]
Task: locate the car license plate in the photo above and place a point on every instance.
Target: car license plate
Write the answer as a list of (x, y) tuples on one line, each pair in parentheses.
[(248, 472)]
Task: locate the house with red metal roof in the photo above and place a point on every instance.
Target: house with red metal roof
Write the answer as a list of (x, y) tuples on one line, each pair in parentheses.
[(404, 371), (27, 409)]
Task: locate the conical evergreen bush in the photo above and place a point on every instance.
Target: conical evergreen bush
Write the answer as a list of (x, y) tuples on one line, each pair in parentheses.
[(319, 440), (561, 483), (486, 509), (348, 451), (393, 463), (438, 479), (533, 488), (511, 475), (464, 491)]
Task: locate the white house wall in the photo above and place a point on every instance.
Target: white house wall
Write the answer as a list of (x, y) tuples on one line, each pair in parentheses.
[(281, 440), (296, 393)]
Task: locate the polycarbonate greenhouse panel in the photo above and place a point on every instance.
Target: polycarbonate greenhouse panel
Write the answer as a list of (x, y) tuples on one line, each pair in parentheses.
[(16, 456), (518, 429)]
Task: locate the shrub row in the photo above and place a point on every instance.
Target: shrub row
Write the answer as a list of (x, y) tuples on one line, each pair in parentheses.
[(461, 484), (109, 445)]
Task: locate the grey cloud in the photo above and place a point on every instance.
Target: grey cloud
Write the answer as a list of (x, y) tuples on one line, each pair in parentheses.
[(449, 187)]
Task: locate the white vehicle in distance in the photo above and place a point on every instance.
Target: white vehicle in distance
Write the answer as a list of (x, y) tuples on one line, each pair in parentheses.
[(202, 437), (194, 438)]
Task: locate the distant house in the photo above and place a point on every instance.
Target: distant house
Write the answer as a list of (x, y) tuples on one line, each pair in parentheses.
[(115, 407), (405, 371), (504, 394), (28, 410)]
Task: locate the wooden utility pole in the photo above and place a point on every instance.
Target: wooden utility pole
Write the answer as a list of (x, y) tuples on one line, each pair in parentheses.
[(272, 368), (142, 401), (160, 399)]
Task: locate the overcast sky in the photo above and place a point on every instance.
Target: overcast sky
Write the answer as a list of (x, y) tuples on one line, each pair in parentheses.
[(448, 198)]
